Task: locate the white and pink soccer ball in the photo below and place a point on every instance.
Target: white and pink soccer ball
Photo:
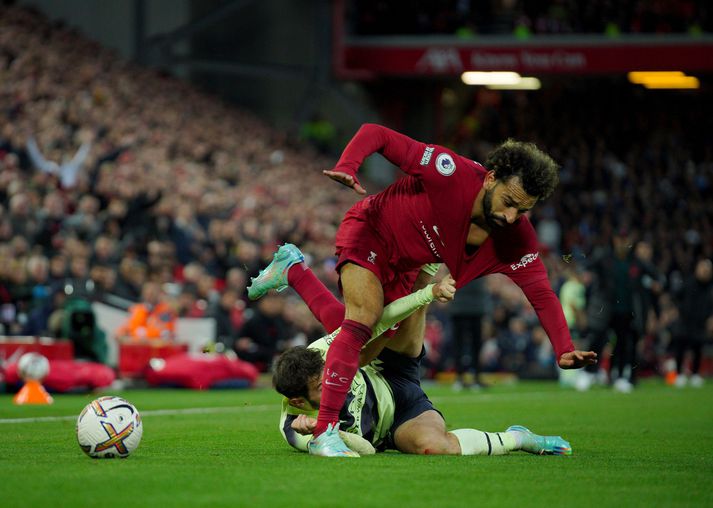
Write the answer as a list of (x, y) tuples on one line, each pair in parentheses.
[(109, 427)]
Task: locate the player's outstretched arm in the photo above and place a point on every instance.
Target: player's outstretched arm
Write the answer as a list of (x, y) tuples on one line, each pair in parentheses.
[(401, 309), (371, 138), (346, 179), (577, 359)]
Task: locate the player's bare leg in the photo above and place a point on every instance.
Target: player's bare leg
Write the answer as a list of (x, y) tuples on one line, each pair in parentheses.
[(426, 435), (408, 339), (363, 295)]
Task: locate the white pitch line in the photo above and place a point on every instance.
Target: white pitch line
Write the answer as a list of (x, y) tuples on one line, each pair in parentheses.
[(475, 396), (480, 396), (154, 412)]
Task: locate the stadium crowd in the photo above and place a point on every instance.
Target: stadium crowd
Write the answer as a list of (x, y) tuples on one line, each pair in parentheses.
[(118, 181), (469, 18)]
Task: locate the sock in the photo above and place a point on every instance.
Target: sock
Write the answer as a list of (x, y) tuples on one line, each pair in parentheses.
[(517, 436), (340, 366), (477, 442), (324, 306)]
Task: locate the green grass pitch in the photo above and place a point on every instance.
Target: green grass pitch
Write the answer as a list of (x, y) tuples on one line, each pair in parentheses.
[(651, 448)]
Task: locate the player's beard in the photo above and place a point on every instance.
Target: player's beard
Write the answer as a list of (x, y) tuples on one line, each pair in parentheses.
[(491, 219)]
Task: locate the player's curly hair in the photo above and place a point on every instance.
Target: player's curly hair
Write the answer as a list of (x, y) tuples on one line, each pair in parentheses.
[(294, 368), (538, 172)]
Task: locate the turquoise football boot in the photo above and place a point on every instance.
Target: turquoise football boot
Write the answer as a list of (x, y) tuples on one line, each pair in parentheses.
[(329, 444), (274, 276), (541, 445)]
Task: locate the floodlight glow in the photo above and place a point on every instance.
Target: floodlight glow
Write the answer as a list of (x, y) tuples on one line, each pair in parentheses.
[(664, 79), (525, 83), (490, 78), (641, 77), (685, 82)]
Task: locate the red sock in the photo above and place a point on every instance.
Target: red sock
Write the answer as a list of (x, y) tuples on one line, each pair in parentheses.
[(324, 306), (340, 367)]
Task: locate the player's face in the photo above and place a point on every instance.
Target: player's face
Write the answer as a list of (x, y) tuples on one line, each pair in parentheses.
[(314, 392), (504, 202)]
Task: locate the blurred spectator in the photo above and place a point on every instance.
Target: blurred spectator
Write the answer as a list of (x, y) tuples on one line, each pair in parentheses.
[(648, 286), (84, 223), (224, 313), (152, 319), (180, 188), (621, 286), (38, 279), (78, 283), (49, 222), (513, 346), (132, 276), (320, 132), (467, 312), (104, 278), (549, 230), (68, 171), (400, 17), (259, 339), (695, 322), (105, 252), (573, 296), (39, 321), (539, 356), (189, 306)]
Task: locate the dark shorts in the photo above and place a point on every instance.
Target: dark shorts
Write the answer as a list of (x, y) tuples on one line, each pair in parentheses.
[(404, 376)]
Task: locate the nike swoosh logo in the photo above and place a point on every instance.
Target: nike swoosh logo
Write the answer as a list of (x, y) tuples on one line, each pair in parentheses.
[(438, 234), (331, 384)]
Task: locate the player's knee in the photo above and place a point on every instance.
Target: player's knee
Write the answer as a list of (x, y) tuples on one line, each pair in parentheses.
[(363, 294), (432, 444), (420, 445), (366, 315)]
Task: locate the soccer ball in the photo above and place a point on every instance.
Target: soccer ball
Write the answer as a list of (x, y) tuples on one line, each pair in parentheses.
[(109, 427), (33, 366)]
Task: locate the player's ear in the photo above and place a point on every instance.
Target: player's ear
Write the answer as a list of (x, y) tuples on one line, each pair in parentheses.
[(489, 180), (298, 402)]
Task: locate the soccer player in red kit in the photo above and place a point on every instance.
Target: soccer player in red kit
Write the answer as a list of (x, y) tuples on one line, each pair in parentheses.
[(450, 210)]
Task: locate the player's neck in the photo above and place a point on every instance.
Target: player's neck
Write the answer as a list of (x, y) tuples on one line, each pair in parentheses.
[(477, 214), (476, 236), (479, 228)]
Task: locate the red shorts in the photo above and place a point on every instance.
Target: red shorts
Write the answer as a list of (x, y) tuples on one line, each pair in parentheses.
[(357, 242)]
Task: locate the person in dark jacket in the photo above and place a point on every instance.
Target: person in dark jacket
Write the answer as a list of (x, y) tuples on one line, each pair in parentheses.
[(695, 307), (467, 313), (258, 340), (616, 305)]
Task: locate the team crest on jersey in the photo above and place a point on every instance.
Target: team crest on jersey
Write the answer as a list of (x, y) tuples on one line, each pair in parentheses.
[(445, 164)]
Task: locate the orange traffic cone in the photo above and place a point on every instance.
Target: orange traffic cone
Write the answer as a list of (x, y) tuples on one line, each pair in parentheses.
[(33, 393)]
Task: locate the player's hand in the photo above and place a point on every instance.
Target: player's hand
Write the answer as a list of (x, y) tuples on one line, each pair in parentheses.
[(577, 359), (347, 180), (445, 290), (304, 424)]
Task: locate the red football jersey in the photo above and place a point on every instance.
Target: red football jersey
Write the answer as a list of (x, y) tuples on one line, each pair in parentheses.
[(425, 218)]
